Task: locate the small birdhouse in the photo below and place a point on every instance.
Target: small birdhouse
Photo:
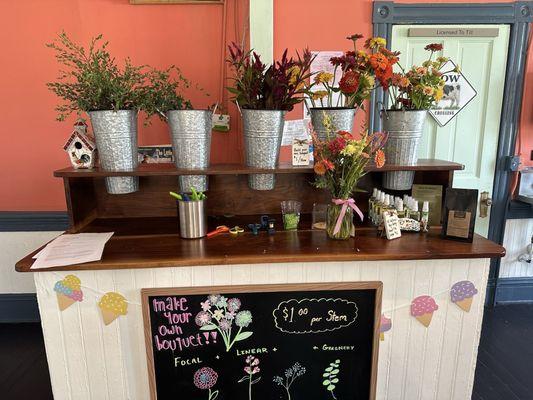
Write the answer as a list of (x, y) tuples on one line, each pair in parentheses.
[(80, 147)]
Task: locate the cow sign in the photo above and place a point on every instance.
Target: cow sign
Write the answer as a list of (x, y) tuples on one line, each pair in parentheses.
[(458, 92)]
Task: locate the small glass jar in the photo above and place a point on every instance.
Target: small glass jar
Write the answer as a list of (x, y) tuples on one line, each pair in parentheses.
[(290, 210), (320, 212)]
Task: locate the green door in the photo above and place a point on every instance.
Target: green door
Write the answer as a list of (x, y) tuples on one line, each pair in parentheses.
[(471, 138)]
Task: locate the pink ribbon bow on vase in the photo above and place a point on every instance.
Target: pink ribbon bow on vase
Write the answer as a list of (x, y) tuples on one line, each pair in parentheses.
[(345, 204)]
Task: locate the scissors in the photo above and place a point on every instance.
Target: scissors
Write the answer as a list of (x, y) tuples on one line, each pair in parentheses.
[(220, 229), (236, 230)]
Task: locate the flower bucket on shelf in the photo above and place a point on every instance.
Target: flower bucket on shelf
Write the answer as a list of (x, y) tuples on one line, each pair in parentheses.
[(190, 131), (404, 130), (339, 218), (263, 130), (115, 133), (341, 118)]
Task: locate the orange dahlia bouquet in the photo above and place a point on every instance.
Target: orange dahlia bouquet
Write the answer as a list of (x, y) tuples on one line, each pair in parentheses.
[(420, 87), (340, 162), (360, 69)]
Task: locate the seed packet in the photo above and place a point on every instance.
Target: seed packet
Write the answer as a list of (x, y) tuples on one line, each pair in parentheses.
[(460, 206)]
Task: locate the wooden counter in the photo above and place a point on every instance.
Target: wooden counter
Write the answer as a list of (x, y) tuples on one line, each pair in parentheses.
[(156, 251)]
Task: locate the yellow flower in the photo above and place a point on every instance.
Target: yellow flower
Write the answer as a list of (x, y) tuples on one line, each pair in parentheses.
[(367, 80), (457, 69), (323, 77), (350, 149), (438, 94), (294, 73), (442, 60), (319, 94), (376, 43), (428, 91)]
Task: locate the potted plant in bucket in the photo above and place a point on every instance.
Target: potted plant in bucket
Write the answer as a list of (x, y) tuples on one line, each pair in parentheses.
[(93, 83), (356, 71), (264, 94), (190, 129), (340, 162), (412, 92)]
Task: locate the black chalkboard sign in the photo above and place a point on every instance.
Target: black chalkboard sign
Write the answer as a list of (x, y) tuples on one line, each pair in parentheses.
[(263, 342)]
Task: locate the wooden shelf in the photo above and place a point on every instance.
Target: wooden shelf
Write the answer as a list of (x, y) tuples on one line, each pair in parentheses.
[(169, 250), (168, 169)]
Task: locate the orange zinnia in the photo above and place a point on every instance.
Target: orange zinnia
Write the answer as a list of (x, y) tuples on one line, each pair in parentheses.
[(320, 168), (379, 158)]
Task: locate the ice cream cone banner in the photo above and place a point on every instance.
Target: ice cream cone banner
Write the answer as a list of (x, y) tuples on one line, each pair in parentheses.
[(465, 304), (112, 305), (425, 319), (422, 309), (109, 316), (68, 291), (64, 302), (462, 294)]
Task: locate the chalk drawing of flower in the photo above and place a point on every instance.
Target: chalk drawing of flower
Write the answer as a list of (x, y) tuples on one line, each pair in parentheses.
[(224, 324), (206, 305), (243, 319), (220, 314), (202, 318), (205, 378), (291, 374), (251, 368), (234, 305)]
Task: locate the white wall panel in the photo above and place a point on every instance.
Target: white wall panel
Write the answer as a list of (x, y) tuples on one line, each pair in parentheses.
[(517, 236), (13, 247), (91, 361)]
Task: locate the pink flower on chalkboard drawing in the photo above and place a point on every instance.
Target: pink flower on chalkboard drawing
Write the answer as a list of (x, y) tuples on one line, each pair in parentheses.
[(206, 305), (234, 305), (205, 378), (251, 368), (230, 316), (203, 318), (224, 324)]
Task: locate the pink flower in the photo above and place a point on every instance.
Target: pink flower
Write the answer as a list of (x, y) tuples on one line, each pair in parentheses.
[(205, 378), (202, 318), (206, 305)]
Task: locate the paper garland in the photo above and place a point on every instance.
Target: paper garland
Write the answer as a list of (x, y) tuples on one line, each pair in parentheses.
[(112, 304)]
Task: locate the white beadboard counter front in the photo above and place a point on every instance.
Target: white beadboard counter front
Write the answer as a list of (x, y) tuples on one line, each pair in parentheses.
[(89, 360)]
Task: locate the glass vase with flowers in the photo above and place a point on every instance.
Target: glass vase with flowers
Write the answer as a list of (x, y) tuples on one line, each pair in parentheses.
[(340, 162)]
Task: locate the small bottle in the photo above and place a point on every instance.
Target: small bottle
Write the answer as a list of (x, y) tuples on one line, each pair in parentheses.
[(407, 206), (383, 206), (414, 213), (424, 219), (400, 209), (371, 202)]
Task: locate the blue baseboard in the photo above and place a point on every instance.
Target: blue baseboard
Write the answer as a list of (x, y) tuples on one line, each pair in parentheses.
[(19, 307), (30, 221), (514, 290)]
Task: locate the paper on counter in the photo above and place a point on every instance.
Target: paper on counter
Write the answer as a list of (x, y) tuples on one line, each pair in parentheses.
[(70, 249)]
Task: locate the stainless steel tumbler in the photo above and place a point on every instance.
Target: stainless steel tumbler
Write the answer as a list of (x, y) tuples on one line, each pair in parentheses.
[(192, 219)]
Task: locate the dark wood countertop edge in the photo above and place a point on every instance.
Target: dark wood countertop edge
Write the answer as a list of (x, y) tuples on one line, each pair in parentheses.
[(25, 264)]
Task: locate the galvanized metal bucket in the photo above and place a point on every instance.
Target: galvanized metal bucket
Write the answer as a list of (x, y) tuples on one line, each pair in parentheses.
[(116, 139), (341, 120), (263, 130), (192, 219), (190, 131), (404, 130)]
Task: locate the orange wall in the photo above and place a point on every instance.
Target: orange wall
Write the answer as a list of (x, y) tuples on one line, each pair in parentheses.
[(160, 35), (186, 35)]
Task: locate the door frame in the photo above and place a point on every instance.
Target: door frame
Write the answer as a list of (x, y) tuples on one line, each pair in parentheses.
[(519, 16)]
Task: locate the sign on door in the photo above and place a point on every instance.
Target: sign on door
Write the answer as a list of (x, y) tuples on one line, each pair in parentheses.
[(458, 92)]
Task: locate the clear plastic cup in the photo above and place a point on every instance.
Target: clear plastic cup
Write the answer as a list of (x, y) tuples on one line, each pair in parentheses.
[(290, 209)]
